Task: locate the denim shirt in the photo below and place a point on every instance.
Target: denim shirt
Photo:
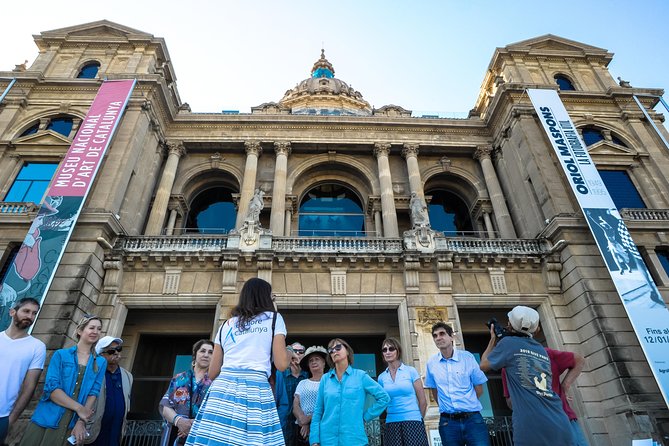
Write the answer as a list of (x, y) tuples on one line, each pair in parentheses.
[(62, 374), (339, 415)]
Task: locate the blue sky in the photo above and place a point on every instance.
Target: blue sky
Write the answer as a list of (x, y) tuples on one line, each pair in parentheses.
[(427, 56)]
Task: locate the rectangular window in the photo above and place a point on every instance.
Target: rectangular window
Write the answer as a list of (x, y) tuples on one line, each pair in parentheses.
[(31, 182), (663, 255), (621, 189)]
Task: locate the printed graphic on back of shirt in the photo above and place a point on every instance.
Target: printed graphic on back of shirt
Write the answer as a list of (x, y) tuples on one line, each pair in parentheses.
[(534, 372)]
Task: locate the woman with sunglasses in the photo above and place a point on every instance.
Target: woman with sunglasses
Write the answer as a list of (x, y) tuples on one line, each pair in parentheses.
[(185, 395), (239, 409), (404, 423), (72, 384), (339, 416)]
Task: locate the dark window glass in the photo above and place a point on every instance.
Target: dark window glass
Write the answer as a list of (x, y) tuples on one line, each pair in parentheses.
[(61, 125), (663, 255), (621, 189), (617, 140), (30, 130), (591, 136), (331, 210), (564, 83), (449, 214), (31, 182), (10, 258), (212, 212), (89, 71)]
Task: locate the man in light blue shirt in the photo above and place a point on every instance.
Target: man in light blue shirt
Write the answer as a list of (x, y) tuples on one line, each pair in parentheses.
[(456, 382)]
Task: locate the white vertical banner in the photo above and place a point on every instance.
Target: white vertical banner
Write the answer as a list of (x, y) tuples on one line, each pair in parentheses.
[(642, 301)]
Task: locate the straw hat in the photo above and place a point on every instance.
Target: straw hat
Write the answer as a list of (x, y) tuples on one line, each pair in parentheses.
[(313, 350)]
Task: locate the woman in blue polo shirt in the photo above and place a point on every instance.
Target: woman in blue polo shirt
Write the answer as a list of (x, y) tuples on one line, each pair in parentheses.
[(404, 423)]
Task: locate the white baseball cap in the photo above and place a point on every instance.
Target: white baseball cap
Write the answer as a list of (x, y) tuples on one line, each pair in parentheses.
[(106, 342), (524, 319)]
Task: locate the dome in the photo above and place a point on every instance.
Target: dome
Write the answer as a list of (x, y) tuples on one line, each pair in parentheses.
[(323, 94)]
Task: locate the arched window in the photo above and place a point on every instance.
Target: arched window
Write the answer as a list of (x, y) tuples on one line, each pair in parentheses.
[(212, 212), (331, 210), (89, 71), (449, 214), (61, 124), (592, 135), (563, 82), (30, 130)]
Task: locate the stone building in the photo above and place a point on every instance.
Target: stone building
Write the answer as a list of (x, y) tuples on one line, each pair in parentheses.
[(367, 222)]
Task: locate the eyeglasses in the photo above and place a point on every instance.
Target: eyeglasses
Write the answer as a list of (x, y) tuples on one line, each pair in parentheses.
[(388, 349), (299, 351), (335, 348), (111, 351)]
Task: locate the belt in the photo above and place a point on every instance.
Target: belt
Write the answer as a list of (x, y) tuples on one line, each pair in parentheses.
[(458, 415)]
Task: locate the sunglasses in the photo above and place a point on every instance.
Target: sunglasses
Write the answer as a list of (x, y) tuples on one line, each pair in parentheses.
[(299, 351), (111, 351), (335, 348), (388, 349)]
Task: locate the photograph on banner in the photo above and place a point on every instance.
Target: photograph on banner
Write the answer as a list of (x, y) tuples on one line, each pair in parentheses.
[(623, 259), (29, 274)]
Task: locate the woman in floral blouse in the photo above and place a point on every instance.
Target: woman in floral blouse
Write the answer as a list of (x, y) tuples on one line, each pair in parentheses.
[(183, 398)]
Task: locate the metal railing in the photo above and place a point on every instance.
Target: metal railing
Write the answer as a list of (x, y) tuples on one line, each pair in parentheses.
[(10, 207), (645, 214), (337, 245), (142, 433), (168, 243)]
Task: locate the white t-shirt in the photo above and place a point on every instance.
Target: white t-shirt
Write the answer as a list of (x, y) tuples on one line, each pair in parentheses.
[(308, 392), (250, 347), (17, 356)]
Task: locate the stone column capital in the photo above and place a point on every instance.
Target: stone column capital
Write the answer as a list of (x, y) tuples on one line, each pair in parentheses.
[(175, 148), (381, 149), (410, 149), (282, 147), (482, 152), (253, 148)]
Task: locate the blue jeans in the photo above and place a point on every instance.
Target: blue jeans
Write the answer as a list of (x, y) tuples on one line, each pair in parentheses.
[(4, 427), (471, 431)]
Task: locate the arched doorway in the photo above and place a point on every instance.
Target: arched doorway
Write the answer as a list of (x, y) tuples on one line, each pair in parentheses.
[(331, 210)]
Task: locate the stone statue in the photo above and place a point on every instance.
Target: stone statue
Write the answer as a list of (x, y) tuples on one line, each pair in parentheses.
[(255, 206), (419, 215)]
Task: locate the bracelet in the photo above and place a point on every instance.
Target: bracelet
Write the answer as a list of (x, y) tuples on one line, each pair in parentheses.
[(174, 420)]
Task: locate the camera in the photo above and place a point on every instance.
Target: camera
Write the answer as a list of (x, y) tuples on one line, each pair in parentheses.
[(500, 331)]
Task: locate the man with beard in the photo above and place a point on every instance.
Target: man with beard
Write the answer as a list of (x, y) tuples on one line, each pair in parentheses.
[(21, 363)]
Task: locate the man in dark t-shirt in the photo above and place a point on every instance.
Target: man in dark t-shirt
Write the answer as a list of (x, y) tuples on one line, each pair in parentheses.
[(538, 417)]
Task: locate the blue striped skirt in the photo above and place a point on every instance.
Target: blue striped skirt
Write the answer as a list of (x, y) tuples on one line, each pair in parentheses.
[(239, 410)]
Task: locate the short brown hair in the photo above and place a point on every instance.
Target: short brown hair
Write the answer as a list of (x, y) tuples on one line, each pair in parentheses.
[(349, 351), (393, 342), (199, 344), (445, 326)]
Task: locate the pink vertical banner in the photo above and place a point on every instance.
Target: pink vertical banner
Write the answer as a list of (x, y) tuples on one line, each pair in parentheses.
[(34, 267)]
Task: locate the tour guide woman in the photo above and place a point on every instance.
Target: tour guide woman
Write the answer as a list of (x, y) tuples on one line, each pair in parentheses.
[(184, 397), (239, 409), (404, 423), (339, 416), (72, 384)]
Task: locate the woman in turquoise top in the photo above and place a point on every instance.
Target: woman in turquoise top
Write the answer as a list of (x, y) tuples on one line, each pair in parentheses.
[(404, 423), (339, 417)]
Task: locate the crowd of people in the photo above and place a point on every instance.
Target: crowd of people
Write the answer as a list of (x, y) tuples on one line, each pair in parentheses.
[(247, 387)]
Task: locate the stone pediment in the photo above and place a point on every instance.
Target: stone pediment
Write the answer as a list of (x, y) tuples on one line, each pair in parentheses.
[(606, 148), (102, 29), (551, 43), (43, 138), (392, 110)]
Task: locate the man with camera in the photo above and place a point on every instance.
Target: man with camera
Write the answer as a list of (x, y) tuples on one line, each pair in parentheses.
[(456, 382), (538, 418)]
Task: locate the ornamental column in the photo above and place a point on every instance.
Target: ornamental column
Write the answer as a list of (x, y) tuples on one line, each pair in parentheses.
[(277, 217), (504, 222), (175, 151), (253, 151), (388, 212), (410, 153)]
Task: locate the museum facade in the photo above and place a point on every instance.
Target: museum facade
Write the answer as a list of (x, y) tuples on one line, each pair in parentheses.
[(367, 222)]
